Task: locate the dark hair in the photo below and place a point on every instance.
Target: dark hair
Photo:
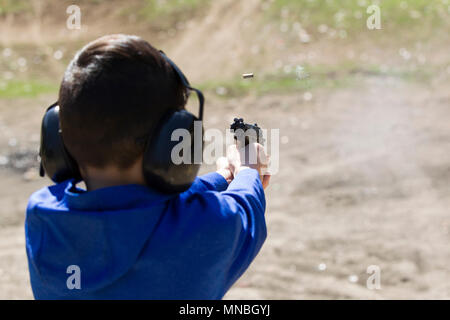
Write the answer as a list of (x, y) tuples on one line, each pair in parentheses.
[(113, 94)]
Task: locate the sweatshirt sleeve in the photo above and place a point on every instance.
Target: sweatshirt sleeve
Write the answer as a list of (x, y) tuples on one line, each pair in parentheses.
[(232, 220), (211, 181), (246, 201)]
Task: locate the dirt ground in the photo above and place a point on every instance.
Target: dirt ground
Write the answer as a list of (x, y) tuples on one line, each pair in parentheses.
[(363, 181)]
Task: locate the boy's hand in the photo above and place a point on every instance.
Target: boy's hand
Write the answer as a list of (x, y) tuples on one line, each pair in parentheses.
[(223, 168), (251, 156)]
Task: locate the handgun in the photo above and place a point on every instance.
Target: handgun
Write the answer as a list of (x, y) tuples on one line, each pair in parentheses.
[(246, 132)]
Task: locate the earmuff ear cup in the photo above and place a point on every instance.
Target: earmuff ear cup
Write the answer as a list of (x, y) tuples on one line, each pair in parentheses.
[(160, 171), (55, 160)]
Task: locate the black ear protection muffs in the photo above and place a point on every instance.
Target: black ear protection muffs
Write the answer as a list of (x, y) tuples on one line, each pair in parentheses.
[(160, 172)]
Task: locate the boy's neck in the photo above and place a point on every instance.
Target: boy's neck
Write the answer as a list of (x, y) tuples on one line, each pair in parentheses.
[(97, 178)]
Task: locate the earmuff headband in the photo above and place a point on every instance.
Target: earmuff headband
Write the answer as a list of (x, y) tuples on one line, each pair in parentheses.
[(185, 82)]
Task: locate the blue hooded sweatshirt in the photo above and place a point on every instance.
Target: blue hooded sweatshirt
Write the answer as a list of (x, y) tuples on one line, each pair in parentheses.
[(131, 242)]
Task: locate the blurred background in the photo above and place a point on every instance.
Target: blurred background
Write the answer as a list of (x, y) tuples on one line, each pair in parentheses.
[(364, 119)]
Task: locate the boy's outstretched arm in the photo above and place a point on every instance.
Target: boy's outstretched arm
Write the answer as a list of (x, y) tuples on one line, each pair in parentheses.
[(231, 223), (226, 229)]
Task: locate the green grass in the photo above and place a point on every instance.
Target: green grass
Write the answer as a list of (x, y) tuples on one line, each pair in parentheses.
[(270, 84), (25, 89), (14, 6), (320, 76), (155, 8), (273, 83), (165, 14), (351, 15)]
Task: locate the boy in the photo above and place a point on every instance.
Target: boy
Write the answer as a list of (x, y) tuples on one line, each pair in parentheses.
[(120, 239)]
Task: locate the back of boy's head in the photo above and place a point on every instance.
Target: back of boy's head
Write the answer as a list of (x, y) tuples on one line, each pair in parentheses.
[(113, 94)]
